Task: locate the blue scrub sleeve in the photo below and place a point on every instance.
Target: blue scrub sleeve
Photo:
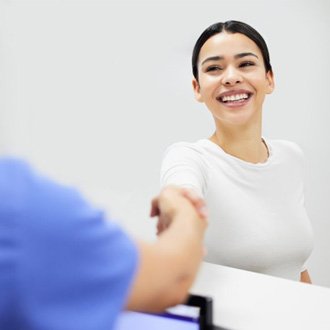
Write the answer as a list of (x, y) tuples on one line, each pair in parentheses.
[(73, 269)]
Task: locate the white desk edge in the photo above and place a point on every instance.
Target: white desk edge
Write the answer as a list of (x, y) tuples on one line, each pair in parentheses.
[(246, 300)]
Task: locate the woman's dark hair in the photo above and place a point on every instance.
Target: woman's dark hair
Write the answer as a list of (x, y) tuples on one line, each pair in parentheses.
[(232, 27)]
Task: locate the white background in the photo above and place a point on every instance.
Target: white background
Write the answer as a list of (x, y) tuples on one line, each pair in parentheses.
[(92, 92)]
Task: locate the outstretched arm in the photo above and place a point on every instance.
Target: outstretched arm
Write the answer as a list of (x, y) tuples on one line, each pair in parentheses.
[(167, 268)]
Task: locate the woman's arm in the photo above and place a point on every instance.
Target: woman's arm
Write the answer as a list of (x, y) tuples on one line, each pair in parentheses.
[(167, 268), (304, 277)]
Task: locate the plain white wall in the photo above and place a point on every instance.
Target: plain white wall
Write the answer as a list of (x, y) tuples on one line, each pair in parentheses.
[(93, 91)]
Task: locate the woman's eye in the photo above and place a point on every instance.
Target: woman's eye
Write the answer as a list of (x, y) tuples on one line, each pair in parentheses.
[(213, 68), (245, 64)]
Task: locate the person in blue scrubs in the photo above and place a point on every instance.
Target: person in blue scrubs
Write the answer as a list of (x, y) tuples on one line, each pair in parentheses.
[(63, 266)]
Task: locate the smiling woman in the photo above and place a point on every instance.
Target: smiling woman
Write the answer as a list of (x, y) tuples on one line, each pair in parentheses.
[(235, 79), (253, 186)]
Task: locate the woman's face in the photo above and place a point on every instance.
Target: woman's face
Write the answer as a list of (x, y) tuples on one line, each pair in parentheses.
[(232, 79)]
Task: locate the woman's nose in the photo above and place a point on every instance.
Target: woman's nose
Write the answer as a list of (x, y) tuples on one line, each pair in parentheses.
[(231, 77)]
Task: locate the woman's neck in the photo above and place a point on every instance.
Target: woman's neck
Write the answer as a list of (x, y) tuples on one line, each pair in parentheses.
[(246, 145)]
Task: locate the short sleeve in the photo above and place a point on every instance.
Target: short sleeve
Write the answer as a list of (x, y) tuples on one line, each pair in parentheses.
[(74, 269), (183, 165)]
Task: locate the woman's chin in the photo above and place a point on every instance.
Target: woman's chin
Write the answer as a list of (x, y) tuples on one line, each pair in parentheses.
[(238, 118)]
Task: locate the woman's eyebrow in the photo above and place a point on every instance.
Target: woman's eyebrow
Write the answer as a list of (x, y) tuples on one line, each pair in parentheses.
[(219, 58), (240, 55), (212, 58)]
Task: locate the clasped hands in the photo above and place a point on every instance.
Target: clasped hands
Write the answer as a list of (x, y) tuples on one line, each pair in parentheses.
[(173, 200)]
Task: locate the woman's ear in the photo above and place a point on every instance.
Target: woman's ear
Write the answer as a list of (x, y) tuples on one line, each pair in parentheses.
[(196, 89), (271, 82)]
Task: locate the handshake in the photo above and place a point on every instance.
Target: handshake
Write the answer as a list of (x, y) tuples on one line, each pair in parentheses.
[(169, 266), (173, 201)]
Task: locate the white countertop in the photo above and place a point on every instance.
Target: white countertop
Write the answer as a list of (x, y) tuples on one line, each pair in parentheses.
[(245, 300)]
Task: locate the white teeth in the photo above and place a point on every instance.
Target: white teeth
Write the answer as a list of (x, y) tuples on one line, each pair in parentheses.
[(235, 97)]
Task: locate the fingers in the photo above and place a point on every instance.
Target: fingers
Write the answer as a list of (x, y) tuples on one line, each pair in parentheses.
[(197, 202), (154, 207), (160, 227), (169, 201), (166, 199), (193, 197)]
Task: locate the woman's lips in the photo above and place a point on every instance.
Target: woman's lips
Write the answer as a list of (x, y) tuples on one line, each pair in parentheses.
[(234, 99)]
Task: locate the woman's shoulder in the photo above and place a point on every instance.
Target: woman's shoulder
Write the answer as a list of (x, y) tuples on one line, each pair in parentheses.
[(283, 148), (183, 149), (196, 146), (193, 153)]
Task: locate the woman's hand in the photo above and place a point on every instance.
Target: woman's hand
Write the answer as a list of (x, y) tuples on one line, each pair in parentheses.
[(173, 199)]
